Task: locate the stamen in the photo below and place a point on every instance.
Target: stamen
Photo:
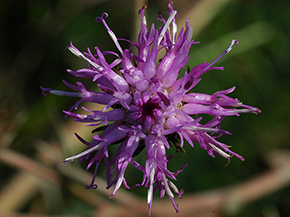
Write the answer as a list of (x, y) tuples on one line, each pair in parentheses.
[(166, 26), (249, 110), (97, 147), (221, 152), (111, 33), (143, 18), (174, 26), (206, 129), (150, 190), (234, 42), (167, 189), (77, 53), (174, 32), (230, 47)]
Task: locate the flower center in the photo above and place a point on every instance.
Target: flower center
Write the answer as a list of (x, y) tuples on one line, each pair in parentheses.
[(148, 108)]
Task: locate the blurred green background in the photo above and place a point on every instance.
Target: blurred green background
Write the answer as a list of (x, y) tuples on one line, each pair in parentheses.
[(34, 35)]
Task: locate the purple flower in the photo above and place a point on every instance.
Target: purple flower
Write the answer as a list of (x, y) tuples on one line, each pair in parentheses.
[(148, 107)]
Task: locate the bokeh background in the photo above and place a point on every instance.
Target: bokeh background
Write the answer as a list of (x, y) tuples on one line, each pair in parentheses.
[(35, 137)]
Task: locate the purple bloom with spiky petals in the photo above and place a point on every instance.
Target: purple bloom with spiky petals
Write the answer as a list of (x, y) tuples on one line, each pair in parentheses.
[(148, 107)]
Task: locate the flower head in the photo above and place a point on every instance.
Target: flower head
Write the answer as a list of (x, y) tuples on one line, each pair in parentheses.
[(149, 107)]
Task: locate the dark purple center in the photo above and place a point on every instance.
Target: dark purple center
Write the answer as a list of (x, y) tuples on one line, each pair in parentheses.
[(149, 107)]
